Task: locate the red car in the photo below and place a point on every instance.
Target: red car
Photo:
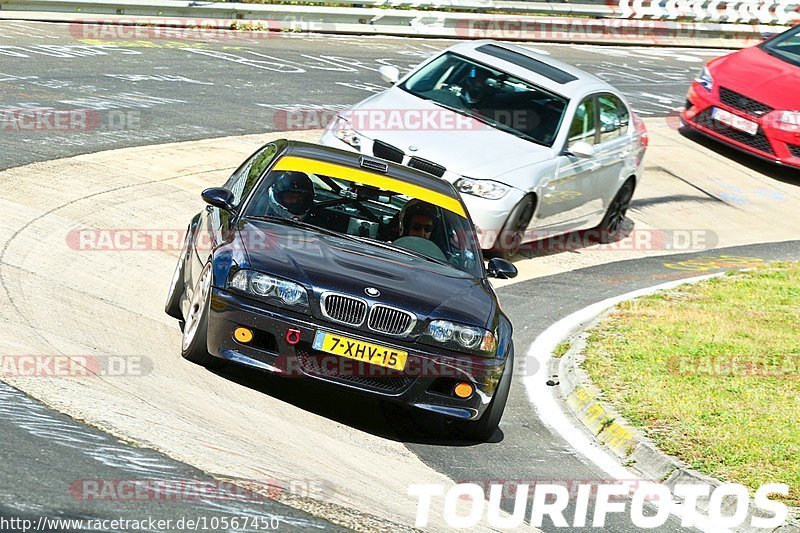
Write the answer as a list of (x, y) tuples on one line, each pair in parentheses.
[(750, 99)]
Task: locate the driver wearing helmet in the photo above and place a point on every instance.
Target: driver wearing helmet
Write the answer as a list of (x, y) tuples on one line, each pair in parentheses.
[(291, 195)]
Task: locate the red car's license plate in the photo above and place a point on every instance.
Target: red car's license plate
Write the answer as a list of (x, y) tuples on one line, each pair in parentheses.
[(729, 119)]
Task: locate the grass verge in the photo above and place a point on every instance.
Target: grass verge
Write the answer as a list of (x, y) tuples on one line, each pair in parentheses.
[(711, 373)]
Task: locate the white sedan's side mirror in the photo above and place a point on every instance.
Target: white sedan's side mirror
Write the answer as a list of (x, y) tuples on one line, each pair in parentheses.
[(389, 74), (582, 149)]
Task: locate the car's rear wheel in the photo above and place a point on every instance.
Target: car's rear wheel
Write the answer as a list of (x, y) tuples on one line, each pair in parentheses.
[(509, 241), (610, 228), (176, 286), (194, 344), (485, 427)]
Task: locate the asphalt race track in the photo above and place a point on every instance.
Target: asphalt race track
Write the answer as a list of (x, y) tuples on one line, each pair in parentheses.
[(355, 457), (149, 92)]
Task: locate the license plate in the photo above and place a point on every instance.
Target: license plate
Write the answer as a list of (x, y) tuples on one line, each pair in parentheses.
[(360, 351), (734, 121)]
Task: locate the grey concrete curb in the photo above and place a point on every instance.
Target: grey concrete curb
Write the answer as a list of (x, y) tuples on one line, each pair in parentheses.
[(609, 429), (563, 26)]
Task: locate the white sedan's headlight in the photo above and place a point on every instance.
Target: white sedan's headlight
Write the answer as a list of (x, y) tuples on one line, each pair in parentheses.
[(264, 286), (491, 190), (345, 132)]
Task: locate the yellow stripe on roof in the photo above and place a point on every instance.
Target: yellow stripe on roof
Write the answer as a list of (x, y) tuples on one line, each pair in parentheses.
[(311, 166)]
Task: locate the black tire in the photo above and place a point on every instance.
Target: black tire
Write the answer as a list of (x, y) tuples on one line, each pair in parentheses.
[(485, 427), (194, 342), (510, 238), (177, 287), (610, 228)]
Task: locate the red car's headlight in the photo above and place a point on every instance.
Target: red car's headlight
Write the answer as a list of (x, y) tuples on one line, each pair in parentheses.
[(784, 120)]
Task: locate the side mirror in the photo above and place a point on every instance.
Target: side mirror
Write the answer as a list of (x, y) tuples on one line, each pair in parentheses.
[(218, 197), (582, 149), (501, 269), (389, 74)]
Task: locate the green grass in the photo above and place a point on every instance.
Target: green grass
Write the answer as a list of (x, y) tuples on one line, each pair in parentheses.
[(561, 349), (710, 373)]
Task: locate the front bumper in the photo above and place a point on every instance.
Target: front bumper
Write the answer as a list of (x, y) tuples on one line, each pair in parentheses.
[(489, 216), (424, 384), (768, 143)]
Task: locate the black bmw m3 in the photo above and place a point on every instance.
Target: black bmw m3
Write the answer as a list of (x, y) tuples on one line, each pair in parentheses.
[(366, 275)]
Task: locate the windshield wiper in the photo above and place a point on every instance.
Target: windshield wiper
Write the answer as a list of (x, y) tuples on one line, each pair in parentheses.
[(299, 224), (395, 248), (381, 244), (356, 238)]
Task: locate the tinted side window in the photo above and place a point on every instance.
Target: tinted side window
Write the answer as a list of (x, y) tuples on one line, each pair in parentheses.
[(613, 117), (245, 177), (582, 127)]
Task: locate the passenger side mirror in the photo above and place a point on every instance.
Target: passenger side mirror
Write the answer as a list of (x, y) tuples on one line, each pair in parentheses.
[(219, 197), (582, 149), (501, 269), (389, 74)]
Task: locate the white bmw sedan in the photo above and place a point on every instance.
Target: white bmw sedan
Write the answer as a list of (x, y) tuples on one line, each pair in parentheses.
[(537, 147)]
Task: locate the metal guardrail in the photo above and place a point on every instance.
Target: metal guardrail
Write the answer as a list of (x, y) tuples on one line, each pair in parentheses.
[(243, 10), (648, 22)]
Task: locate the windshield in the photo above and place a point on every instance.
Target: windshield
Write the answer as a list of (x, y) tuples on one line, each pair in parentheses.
[(413, 223), (785, 46), (506, 102)]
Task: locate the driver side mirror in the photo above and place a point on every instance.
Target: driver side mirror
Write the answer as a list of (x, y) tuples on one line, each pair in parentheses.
[(389, 74), (582, 149), (219, 197), (501, 269)]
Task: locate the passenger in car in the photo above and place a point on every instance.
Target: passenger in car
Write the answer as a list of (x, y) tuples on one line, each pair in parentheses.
[(418, 219)]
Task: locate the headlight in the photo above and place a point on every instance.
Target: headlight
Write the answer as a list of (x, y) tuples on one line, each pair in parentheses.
[(462, 338), (787, 120), (344, 132), (491, 190), (268, 287), (705, 79)]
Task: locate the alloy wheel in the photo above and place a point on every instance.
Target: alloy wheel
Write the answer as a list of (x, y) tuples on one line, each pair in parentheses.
[(197, 307)]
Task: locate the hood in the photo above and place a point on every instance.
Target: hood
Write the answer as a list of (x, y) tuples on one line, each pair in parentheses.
[(462, 145), (760, 76), (329, 263)]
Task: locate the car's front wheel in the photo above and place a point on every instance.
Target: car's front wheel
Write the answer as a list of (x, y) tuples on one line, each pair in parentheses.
[(485, 427), (510, 239), (194, 345)]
